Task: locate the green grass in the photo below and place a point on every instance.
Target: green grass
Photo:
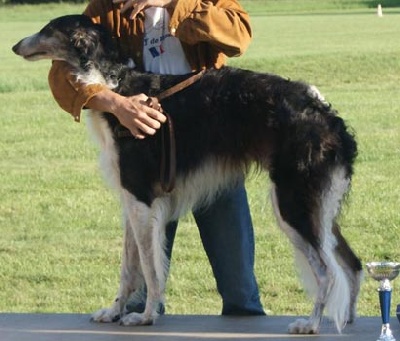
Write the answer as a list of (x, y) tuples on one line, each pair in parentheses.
[(272, 7), (60, 239)]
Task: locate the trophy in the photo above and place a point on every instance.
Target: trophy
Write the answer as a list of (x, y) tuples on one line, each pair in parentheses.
[(384, 272)]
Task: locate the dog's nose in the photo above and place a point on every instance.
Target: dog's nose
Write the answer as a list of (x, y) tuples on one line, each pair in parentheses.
[(15, 48)]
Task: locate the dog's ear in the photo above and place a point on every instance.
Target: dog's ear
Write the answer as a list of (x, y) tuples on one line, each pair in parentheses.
[(85, 42)]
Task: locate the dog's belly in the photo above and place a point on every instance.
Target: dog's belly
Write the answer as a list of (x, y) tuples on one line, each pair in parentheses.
[(200, 187)]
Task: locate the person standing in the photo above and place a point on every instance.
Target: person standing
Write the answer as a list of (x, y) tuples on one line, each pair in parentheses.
[(177, 37)]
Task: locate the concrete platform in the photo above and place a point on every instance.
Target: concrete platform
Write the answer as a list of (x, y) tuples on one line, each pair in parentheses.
[(77, 327)]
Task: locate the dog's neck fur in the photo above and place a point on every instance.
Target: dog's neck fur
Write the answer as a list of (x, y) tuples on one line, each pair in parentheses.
[(99, 66), (120, 75)]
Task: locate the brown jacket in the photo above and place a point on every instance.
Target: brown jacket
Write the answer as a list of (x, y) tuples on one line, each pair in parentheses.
[(209, 30)]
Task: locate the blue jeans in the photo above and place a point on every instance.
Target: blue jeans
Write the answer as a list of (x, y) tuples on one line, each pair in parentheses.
[(226, 232)]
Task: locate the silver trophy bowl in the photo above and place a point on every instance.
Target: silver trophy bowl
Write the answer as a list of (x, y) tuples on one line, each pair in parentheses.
[(384, 272)]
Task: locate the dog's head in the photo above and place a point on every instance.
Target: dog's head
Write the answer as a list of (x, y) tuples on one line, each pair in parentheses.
[(72, 38)]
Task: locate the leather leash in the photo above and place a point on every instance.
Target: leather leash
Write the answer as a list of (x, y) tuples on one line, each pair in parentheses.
[(168, 146), (180, 86)]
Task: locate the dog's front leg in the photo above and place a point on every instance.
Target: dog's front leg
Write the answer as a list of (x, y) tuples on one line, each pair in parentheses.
[(131, 278), (149, 230)]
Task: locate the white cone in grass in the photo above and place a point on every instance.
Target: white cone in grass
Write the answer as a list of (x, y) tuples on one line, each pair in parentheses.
[(379, 11)]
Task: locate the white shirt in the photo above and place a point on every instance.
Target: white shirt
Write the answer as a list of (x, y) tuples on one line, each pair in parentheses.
[(162, 52)]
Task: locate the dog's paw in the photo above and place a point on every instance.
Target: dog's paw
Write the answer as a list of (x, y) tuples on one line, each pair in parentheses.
[(303, 326), (106, 315), (136, 319), (351, 316)]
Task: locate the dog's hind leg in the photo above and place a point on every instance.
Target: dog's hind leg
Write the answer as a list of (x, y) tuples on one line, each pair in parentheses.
[(131, 277), (312, 271), (307, 215), (352, 267), (148, 225)]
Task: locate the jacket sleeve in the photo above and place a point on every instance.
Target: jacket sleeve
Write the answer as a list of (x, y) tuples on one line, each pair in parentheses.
[(223, 24), (70, 94)]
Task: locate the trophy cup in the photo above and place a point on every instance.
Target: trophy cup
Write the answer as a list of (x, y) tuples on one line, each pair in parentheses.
[(384, 272)]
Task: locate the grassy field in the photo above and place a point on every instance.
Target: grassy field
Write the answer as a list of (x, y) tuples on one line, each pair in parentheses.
[(60, 238)]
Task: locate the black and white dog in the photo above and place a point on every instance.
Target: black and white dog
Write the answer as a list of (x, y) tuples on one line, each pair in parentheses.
[(226, 122)]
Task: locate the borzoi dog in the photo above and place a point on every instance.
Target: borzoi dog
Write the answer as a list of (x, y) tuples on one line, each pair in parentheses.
[(226, 122)]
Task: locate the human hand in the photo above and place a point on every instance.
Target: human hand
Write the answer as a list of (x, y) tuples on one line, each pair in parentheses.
[(140, 5), (138, 115), (134, 112)]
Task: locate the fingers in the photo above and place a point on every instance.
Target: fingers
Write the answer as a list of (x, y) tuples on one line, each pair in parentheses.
[(135, 6), (150, 119), (153, 103), (140, 118), (139, 5), (127, 4)]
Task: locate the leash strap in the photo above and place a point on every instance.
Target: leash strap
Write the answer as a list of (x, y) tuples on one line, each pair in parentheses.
[(168, 145), (180, 86), (168, 156), (168, 149)]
